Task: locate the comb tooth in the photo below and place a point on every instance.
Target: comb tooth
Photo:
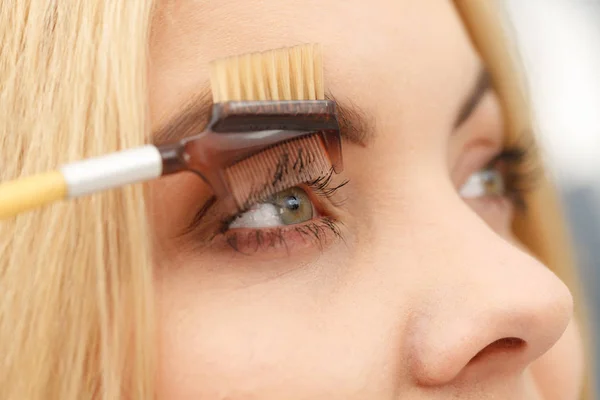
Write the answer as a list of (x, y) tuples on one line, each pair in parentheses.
[(268, 165)]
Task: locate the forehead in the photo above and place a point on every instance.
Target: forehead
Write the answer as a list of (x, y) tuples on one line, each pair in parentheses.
[(414, 54)]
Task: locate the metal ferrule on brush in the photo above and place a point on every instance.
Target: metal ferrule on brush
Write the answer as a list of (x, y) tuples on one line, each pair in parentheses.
[(240, 130)]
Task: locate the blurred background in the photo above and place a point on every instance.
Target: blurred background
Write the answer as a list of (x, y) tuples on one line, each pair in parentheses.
[(559, 41)]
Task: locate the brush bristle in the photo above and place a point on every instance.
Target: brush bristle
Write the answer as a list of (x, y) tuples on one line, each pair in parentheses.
[(291, 73), (277, 168)]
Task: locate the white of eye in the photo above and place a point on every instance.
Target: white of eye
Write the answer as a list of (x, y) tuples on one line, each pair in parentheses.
[(262, 215), (485, 182)]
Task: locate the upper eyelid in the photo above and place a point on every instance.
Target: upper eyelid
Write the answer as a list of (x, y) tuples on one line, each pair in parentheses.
[(482, 86)]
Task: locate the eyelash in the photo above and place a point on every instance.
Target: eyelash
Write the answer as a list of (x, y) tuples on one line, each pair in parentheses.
[(323, 187), (317, 231), (521, 173)]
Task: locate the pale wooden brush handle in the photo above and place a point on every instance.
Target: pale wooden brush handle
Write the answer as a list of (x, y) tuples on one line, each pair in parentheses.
[(31, 192)]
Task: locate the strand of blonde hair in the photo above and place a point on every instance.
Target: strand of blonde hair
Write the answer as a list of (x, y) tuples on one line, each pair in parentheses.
[(75, 278)]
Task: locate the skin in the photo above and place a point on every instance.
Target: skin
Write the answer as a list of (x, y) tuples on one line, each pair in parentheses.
[(426, 294)]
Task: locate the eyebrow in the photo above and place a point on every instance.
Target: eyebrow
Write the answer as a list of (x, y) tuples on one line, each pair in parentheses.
[(356, 126), (482, 86)]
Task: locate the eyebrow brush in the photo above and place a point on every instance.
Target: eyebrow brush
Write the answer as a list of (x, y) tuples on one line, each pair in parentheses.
[(271, 128)]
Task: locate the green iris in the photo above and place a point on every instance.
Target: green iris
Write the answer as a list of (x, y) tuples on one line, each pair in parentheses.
[(294, 206)]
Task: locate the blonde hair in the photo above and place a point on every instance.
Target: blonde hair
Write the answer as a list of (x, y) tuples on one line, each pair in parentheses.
[(75, 279), (76, 298)]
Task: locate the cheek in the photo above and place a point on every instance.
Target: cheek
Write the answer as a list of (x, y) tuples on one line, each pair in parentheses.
[(256, 341), (209, 350)]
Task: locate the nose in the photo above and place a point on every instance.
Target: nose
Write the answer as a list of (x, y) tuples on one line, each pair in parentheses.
[(495, 311)]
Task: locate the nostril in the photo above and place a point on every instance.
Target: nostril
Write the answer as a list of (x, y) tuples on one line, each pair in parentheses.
[(509, 344)]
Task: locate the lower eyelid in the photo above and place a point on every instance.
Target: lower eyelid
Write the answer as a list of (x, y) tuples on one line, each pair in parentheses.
[(316, 234)]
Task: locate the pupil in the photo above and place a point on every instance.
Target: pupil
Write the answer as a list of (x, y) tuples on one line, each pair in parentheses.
[(291, 203)]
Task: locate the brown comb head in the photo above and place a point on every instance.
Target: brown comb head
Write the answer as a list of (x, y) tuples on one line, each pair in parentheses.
[(278, 168)]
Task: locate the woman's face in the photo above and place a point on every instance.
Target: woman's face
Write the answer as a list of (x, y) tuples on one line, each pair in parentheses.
[(418, 290)]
